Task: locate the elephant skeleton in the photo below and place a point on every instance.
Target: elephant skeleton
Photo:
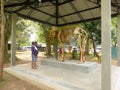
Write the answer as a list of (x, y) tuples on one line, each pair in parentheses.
[(66, 35)]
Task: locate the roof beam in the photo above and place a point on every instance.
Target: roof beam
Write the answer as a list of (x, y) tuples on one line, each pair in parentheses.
[(79, 21), (20, 4), (24, 3), (75, 9), (113, 4), (21, 8), (64, 20), (46, 0), (116, 4), (52, 2), (57, 12), (93, 1), (29, 13), (67, 1), (37, 5), (42, 11), (33, 19), (79, 11), (86, 20), (48, 19), (97, 2)]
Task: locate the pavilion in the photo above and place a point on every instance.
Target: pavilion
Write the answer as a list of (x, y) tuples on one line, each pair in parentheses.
[(63, 12)]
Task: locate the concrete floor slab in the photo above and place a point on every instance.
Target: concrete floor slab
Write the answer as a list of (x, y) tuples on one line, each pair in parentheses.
[(52, 78)]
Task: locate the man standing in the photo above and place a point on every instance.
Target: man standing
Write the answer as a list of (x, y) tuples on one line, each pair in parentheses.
[(34, 53)]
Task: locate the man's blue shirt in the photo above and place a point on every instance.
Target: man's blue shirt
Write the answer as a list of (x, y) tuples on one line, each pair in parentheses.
[(34, 51)]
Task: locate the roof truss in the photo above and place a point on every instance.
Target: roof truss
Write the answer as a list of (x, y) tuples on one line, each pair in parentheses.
[(59, 12)]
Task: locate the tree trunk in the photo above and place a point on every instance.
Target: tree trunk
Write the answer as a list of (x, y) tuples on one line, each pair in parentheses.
[(7, 55), (94, 46), (7, 36), (55, 48), (2, 39), (87, 47), (48, 48)]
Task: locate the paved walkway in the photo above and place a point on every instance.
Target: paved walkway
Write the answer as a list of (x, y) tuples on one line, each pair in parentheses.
[(51, 78)]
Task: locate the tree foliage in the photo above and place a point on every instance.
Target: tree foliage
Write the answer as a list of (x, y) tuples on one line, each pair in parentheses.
[(94, 33), (44, 33), (114, 32), (24, 30)]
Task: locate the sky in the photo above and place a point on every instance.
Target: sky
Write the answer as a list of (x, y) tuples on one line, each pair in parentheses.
[(33, 37), (33, 34)]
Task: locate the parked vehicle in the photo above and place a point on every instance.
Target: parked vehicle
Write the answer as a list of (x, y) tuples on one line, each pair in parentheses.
[(98, 49)]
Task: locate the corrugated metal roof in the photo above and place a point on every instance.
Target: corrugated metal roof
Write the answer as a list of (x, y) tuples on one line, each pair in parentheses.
[(59, 12)]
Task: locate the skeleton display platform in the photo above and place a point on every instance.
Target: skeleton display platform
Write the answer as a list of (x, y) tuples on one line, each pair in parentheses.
[(72, 65)]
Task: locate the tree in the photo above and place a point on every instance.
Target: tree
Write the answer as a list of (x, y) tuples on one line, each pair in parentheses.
[(7, 35), (3, 22), (24, 30), (7, 32), (40, 34), (45, 29), (114, 32), (94, 33)]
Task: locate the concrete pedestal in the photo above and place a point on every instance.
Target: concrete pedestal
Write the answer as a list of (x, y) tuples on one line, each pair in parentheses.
[(72, 65)]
